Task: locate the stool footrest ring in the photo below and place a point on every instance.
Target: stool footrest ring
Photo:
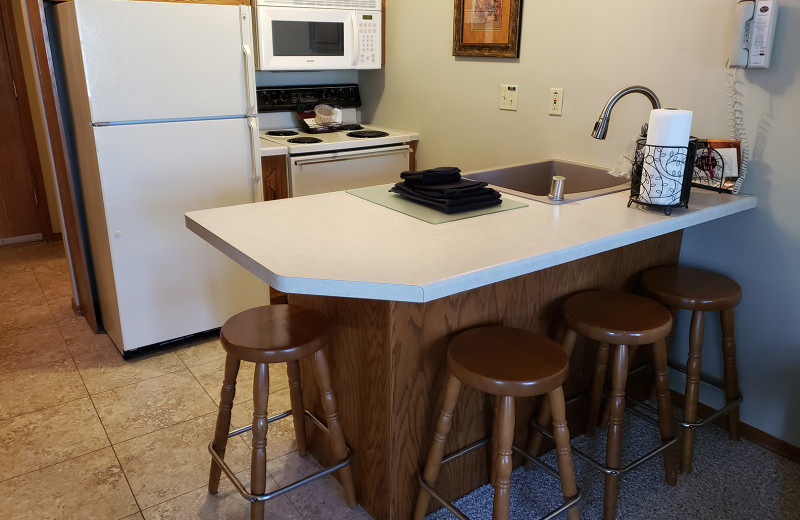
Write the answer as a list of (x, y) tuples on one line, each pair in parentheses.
[(715, 383), (605, 469), (425, 486), (272, 494)]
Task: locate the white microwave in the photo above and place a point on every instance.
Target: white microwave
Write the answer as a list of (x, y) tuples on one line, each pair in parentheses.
[(318, 34)]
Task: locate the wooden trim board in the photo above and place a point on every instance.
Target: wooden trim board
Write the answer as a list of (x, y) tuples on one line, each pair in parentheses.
[(751, 433)]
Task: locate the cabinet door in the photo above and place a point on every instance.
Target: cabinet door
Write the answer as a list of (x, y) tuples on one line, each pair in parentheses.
[(273, 172)]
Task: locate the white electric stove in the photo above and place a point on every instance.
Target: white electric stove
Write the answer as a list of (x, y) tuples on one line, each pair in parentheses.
[(336, 157)]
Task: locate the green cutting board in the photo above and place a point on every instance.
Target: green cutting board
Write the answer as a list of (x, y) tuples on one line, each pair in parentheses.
[(382, 196)]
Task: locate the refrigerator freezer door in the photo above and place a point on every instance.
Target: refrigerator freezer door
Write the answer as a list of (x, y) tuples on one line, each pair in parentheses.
[(168, 282), (160, 60)]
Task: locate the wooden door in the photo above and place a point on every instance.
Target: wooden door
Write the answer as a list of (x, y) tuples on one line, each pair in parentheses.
[(20, 214)]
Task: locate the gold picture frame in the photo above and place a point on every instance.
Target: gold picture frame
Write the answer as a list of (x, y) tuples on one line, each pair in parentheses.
[(487, 28)]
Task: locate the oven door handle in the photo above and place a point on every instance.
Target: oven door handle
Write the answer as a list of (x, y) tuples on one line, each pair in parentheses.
[(349, 156)]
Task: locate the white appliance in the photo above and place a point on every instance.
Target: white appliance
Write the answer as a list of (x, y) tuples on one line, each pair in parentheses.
[(318, 34), (342, 162), (334, 157), (163, 100)]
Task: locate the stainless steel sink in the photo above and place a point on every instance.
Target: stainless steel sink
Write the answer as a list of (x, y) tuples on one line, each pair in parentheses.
[(532, 180)]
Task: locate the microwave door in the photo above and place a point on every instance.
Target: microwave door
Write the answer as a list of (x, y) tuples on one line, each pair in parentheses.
[(305, 39)]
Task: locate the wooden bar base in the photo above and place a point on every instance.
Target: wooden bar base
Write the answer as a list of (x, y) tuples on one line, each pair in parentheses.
[(387, 362)]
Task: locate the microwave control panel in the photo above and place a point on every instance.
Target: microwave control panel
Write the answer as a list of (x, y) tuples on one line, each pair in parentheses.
[(369, 37), (282, 99)]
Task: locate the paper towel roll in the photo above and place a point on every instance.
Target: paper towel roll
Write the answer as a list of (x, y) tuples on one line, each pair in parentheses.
[(669, 127), (662, 172)]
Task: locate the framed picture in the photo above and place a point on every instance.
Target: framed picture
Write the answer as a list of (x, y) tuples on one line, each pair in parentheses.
[(486, 28)]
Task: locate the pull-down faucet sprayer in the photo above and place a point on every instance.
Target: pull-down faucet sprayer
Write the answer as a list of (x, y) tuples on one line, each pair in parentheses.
[(601, 126)]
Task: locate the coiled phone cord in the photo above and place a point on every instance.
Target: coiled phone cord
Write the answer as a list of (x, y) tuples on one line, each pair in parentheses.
[(738, 131)]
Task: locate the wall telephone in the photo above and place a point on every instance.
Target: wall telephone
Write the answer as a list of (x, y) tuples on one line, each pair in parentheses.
[(753, 32)]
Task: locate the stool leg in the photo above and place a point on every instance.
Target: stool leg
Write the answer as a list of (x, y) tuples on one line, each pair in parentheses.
[(503, 461), (338, 444), (631, 355), (566, 469), (731, 374), (434, 461), (661, 382), (693, 368), (535, 443), (493, 449), (258, 461), (600, 365), (223, 419), (298, 408), (619, 378)]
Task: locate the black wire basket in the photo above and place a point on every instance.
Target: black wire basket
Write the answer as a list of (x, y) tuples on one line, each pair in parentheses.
[(662, 175)]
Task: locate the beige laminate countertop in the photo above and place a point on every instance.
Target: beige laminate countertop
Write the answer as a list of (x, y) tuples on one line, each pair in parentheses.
[(336, 244)]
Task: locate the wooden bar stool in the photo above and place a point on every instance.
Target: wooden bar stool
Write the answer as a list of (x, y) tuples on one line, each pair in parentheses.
[(620, 322), (276, 334), (699, 291), (507, 363)]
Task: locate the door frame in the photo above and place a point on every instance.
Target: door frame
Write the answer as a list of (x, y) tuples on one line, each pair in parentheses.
[(76, 245), (26, 119)]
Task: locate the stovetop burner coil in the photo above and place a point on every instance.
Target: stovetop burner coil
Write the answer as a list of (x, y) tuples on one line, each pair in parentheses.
[(282, 132), (367, 133), (350, 127), (305, 140)]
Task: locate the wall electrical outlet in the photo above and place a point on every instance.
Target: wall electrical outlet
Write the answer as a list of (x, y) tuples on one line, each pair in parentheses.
[(508, 97), (556, 101)]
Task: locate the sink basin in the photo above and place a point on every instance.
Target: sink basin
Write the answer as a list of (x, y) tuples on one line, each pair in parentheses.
[(532, 180)]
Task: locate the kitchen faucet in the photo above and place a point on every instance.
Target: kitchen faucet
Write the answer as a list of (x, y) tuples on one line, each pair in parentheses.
[(601, 126)]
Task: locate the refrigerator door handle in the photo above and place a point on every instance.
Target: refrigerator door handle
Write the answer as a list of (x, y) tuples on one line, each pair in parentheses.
[(249, 80), (249, 61), (255, 159)]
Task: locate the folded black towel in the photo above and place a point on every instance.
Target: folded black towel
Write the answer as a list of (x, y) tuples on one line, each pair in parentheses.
[(489, 197), (453, 190), (432, 176), (478, 196)]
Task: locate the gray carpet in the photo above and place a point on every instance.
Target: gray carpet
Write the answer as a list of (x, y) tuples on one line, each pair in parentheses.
[(730, 481)]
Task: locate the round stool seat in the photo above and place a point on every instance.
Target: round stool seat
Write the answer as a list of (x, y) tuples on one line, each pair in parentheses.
[(274, 333), (691, 288), (617, 318), (508, 362)]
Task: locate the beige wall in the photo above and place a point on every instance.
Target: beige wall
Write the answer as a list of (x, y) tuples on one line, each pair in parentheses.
[(591, 49)]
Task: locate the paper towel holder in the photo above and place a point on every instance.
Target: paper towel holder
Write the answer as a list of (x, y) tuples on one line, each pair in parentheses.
[(672, 180)]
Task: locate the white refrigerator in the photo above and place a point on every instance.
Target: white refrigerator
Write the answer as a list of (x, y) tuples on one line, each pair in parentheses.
[(163, 103)]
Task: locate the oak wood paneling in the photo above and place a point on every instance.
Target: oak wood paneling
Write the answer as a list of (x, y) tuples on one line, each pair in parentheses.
[(273, 175), (388, 362)]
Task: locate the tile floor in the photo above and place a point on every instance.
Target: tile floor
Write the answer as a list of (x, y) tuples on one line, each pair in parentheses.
[(85, 434)]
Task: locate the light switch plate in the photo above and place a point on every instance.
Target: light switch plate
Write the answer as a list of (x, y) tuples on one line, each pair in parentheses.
[(508, 97)]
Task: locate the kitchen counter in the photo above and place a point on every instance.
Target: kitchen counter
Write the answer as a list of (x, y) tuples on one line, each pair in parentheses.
[(269, 148), (397, 289), (376, 253)]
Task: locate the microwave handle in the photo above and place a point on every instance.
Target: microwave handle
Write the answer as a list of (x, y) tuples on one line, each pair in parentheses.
[(356, 39)]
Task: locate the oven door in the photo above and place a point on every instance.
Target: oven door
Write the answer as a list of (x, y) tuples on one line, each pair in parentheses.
[(306, 39), (324, 172)]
